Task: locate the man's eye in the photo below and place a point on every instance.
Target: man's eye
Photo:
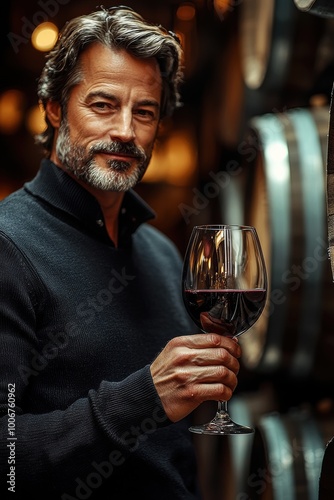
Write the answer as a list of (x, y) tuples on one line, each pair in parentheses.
[(146, 113), (100, 105), (103, 106)]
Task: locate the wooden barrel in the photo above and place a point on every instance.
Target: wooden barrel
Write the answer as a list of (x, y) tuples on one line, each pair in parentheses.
[(330, 184), (287, 455), (265, 63), (266, 26), (323, 8), (285, 199)]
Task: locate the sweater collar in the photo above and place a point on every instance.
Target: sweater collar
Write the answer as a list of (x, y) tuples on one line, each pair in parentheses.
[(58, 189)]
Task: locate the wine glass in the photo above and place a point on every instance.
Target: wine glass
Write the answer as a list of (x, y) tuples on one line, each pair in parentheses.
[(224, 288)]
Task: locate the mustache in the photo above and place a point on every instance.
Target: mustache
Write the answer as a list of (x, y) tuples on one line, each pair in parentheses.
[(126, 148)]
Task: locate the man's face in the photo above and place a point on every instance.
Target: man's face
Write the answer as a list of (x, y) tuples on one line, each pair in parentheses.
[(107, 137)]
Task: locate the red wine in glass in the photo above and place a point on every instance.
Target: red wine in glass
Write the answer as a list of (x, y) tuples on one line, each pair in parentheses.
[(228, 312), (224, 289)]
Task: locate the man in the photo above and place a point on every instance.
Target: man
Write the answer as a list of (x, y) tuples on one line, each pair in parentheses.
[(100, 367)]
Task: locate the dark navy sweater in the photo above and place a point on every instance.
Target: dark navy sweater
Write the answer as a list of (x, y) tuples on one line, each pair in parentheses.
[(80, 323)]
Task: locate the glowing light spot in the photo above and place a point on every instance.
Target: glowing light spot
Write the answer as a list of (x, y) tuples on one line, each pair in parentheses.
[(44, 36)]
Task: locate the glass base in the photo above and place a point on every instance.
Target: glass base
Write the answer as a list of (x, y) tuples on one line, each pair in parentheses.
[(221, 425)]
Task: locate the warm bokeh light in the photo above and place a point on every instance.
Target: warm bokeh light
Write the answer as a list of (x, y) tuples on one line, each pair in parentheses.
[(11, 111), (222, 6), (186, 12), (185, 25), (174, 160), (35, 120), (44, 36)]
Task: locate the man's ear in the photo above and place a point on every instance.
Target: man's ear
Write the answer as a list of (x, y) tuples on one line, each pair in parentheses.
[(53, 112)]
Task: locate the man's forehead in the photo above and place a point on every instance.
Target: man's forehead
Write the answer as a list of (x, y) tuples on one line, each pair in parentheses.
[(101, 59)]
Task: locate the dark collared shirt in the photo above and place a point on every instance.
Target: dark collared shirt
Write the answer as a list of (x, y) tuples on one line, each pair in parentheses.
[(59, 190)]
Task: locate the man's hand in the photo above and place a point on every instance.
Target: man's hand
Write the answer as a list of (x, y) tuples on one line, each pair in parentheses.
[(195, 368)]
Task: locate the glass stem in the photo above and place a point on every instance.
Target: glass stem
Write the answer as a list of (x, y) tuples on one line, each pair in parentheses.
[(222, 409)]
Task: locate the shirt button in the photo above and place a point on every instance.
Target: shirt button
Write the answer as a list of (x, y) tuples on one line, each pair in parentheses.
[(100, 222)]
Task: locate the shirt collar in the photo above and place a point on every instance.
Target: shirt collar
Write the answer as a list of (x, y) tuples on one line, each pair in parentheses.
[(57, 188)]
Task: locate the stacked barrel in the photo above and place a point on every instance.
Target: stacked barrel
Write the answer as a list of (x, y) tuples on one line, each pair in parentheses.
[(287, 378)]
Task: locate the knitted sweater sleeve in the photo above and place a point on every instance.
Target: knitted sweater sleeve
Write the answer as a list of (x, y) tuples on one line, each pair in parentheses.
[(50, 449)]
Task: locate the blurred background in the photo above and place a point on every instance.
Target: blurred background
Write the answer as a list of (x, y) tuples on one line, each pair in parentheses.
[(248, 146)]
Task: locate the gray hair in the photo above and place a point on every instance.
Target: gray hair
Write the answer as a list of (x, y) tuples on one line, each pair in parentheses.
[(119, 28)]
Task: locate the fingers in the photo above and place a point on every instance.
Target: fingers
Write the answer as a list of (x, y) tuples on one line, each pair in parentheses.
[(192, 369), (207, 340), (216, 392), (189, 352), (212, 377), (219, 356)]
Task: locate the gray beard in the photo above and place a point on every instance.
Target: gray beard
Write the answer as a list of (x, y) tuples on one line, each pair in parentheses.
[(116, 175)]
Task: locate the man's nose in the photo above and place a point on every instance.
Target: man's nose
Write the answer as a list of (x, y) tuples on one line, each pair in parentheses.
[(122, 126)]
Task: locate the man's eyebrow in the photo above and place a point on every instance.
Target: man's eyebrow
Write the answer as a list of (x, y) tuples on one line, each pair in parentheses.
[(104, 95), (149, 102), (112, 97)]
